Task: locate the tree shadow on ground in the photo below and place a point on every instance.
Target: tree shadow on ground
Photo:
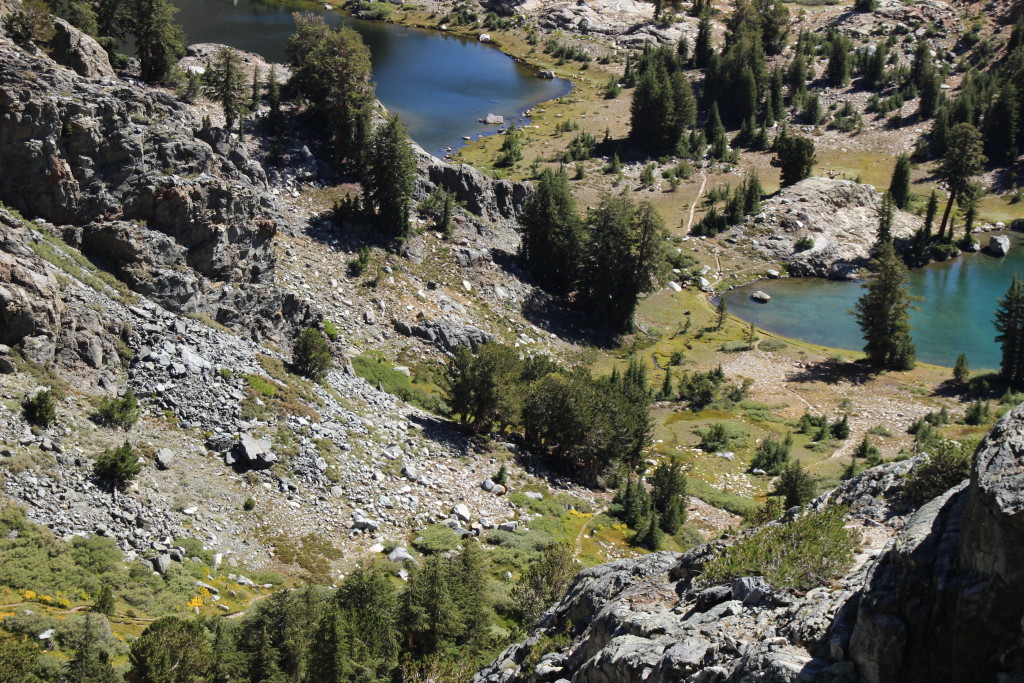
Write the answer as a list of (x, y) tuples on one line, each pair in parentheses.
[(835, 372)]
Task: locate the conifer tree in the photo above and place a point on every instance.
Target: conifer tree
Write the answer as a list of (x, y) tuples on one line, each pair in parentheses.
[(1010, 326), (274, 118), (722, 310), (962, 161), (89, 663), (716, 134), (930, 213), (885, 217), (883, 312), (254, 97), (961, 371), (703, 49), (390, 178), (668, 494), (159, 42), (840, 53), (1002, 125), (552, 233), (899, 184), (104, 601), (795, 485), (228, 85), (794, 155)]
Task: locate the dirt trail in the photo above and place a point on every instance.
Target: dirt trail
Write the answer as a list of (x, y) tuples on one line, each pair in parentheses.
[(693, 204)]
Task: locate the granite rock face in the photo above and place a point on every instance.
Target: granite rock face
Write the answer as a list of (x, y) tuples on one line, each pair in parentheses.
[(132, 181), (840, 216), (940, 598)]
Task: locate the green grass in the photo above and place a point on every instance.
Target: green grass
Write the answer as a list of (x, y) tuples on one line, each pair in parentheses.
[(375, 371), (54, 250), (738, 505)]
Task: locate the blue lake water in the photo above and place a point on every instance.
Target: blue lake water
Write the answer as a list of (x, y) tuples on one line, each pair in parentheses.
[(954, 315), (438, 83)]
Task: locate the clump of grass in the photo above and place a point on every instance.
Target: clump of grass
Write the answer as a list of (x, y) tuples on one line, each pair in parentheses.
[(807, 552), (395, 382), (736, 504), (436, 539)]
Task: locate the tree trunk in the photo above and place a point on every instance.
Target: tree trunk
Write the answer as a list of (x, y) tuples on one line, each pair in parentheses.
[(945, 215)]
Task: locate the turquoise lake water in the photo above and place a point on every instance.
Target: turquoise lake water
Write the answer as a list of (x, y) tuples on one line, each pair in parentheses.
[(955, 314), (438, 83)]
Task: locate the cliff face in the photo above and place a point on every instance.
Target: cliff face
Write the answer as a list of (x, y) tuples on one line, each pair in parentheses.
[(935, 596), (122, 171)]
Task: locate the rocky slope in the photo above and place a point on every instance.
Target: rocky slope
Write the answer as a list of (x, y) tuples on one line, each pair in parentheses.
[(934, 595)]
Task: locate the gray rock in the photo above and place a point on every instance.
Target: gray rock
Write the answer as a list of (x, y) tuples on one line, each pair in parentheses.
[(254, 452), (164, 458), (461, 512), (400, 554), (487, 485), (161, 563), (761, 297), (79, 52), (999, 245), (751, 590), (410, 473)]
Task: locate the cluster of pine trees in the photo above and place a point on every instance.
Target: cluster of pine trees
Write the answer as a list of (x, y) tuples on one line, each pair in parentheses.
[(331, 71), (609, 259), (581, 424), (439, 624), (654, 513)]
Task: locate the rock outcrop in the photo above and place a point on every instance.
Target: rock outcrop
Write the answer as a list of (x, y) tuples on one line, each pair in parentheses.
[(176, 212), (937, 596), (840, 216), (79, 51), (496, 200)]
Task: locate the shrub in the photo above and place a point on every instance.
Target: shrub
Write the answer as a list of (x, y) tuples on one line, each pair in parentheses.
[(117, 466), (40, 409), (977, 413), (120, 412), (311, 356), (804, 243), (249, 504), (948, 464), (772, 455), (436, 539), (719, 436), (357, 266), (331, 330), (502, 476), (544, 581), (807, 552)]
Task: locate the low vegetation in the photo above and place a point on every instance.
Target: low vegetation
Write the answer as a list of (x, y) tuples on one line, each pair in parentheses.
[(799, 555)]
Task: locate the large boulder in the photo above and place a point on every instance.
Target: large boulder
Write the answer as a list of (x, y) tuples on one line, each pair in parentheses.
[(999, 245), (79, 51), (840, 216)]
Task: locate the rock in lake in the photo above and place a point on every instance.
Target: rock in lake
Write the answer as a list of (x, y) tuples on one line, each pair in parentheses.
[(999, 245), (761, 297)]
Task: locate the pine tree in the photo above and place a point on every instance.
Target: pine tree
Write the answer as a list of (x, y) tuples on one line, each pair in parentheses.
[(391, 175), (885, 217), (930, 213), (668, 494), (794, 155), (1010, 326), (159, 42), (962, 161), (274, 118), (883, 312), (552, 234), (722, 310), (228, 85), (961, 371), (89, 663), (254, 97), (840, 53), (1002, 126), (716, 134), (929, 92), (795, 485), (666, 385), (104, 601), (899, 184), (703, 49)]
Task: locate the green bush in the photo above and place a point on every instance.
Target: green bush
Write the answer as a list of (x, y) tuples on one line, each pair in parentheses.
[(804, 243), (249, 504), (719, 436), (795, 485), (311, 356), (117, 466), (331, 330), (948, 464), (436, 539), (807, 552), (40, 409), (358, 265), (120, 412)]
